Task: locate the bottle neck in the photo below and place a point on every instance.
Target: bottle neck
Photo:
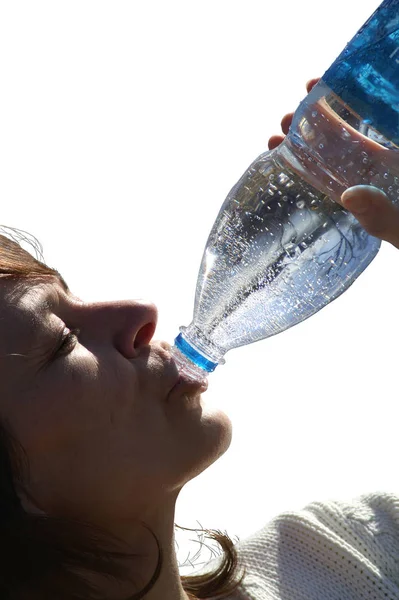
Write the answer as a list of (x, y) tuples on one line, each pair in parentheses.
[(186, 365)]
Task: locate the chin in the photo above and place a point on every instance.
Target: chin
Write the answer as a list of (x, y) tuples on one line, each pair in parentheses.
[(214, 437), (223, 428), (201, 434)]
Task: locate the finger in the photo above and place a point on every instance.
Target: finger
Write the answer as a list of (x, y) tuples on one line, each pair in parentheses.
[(287, 119), (286, 122), (311, 83), (275, 141), (374, 211)]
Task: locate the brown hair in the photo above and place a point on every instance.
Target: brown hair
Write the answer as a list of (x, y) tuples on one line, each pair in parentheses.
[(43, 557)]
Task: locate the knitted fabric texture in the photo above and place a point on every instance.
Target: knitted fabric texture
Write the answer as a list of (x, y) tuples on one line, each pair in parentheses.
[(328, 551)]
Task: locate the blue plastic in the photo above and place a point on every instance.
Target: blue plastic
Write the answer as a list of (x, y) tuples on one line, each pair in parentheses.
[(194, 355), (366, 74)]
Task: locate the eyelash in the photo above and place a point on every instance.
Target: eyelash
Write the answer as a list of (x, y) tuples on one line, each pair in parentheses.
[(68, 341)]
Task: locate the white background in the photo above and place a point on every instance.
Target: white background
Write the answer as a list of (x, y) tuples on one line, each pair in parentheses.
[(123, 127)]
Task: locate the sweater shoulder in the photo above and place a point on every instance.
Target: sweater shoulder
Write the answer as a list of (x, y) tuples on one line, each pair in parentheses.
[(328, 549)]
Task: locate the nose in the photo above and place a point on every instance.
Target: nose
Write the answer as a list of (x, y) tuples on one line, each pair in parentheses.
[(130, 324)]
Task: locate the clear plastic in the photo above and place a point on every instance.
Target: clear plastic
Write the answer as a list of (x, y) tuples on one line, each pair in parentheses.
[(282, 247)]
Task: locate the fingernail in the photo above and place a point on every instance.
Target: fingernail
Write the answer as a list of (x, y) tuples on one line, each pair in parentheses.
[(357, 198), (311, 81)]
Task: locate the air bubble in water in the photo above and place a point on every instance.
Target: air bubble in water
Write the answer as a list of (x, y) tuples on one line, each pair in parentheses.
[(301, 204), (386, 175), (321, 146), (285, 198), (365, 161), (283, 178), (314, 113)]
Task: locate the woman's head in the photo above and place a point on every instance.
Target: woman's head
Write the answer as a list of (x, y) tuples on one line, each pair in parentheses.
[(104, 428), (91, 398)]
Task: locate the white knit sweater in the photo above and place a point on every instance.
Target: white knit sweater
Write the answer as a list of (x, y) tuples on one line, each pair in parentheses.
[(328, 551)]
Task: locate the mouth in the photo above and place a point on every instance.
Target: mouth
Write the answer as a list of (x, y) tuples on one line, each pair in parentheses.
[(181, 383), (183, 368), (186, 388), (187, 385)]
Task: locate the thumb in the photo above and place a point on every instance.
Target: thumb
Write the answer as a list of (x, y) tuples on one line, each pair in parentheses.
[(374, 211)]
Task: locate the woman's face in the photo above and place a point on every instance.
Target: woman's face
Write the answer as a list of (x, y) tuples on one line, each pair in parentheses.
[(105, 430)]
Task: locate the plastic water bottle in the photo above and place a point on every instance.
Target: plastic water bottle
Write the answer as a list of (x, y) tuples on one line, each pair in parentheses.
[(281, 247)]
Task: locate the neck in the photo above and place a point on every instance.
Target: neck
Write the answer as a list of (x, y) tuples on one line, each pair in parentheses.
[(168, 586), (161, 523)]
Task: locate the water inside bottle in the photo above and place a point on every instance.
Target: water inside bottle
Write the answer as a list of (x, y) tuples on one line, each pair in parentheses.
[(279, 251)]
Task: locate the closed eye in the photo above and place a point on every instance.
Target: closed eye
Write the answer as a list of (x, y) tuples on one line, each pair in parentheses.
[(68, 343)]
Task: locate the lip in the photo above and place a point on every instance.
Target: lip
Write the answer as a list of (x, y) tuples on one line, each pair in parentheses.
[(186, 387), (179, 382), (188, 384)]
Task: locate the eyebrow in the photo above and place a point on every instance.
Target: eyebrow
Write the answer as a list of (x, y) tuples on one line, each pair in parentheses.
[(24, 284), (40, 308), (30, 294)]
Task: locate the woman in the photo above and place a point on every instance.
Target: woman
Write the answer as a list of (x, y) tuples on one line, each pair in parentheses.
[(98, 438)]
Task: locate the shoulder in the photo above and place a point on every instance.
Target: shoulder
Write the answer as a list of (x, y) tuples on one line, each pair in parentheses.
[(350, 549)]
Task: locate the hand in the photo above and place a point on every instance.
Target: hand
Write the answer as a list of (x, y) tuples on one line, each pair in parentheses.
[(371, 207)]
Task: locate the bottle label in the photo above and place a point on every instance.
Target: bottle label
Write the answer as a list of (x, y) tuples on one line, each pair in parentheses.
[(366, 74)]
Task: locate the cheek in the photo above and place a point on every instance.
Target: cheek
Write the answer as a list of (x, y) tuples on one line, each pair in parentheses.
[(65, 404), (92, 429)]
